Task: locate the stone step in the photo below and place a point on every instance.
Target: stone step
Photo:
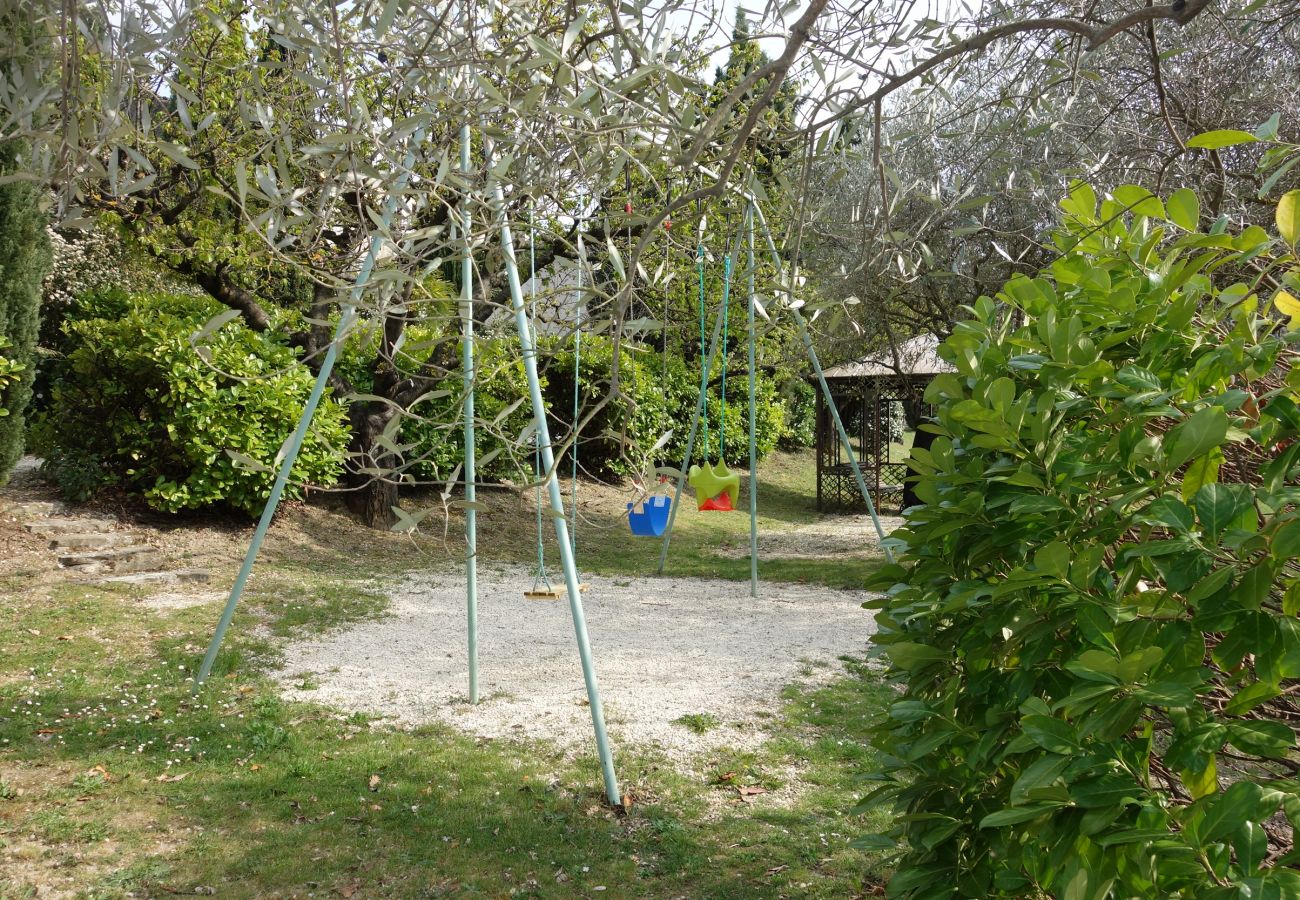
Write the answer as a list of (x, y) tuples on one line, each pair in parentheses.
[(69, 526), (98, 541), (117, 559), (33, 508), (175, 576)]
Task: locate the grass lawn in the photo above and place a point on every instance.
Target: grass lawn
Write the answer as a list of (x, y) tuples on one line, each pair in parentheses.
[(114, 781), (704, 544)]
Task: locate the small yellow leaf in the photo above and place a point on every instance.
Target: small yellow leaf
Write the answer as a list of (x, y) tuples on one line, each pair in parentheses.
[(1288, 305), (1201, 784), (1288, 217)]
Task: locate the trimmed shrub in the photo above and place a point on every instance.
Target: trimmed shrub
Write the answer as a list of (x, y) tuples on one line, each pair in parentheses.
[(620, 440), (435, 425), (769, 419), (622, 436), (133, 404), (1094, 616), (24, 256), (800, 399), (431, 433), (10, 371)]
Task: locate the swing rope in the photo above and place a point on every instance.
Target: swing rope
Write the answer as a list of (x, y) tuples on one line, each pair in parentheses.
[(668, 251), (539, 574), (699, 271), (726, 308), (577, 359)]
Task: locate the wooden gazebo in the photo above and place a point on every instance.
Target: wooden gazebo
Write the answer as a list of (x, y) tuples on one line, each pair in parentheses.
[(879, 401)]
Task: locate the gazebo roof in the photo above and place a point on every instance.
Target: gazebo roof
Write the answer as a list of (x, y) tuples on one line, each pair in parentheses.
[(916, 356)]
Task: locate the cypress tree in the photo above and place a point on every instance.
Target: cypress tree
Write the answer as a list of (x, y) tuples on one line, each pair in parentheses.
[(24, 258)]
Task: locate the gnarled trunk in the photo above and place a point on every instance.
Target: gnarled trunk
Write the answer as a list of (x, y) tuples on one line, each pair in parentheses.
[(370, 497)]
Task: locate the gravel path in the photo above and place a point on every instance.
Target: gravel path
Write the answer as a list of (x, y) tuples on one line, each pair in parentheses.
[(664, 648)]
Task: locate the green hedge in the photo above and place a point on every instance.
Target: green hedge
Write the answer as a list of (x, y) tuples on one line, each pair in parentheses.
[(24, 258), (10, 371), (432, 429), (1094, 618), (133, 404), (800, 399), (620, 440)]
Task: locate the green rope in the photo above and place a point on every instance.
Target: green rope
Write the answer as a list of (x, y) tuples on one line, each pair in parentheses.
[(539, 576), (726, 306), (699, 270), (577, 358)]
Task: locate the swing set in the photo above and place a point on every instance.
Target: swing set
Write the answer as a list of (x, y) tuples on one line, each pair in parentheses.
[(716, 487)]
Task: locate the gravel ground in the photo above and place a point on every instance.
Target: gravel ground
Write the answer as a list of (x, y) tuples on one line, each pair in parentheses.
[(664, 648)]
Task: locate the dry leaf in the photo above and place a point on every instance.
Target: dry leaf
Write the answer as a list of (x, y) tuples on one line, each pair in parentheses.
[(750, 790), (349, 889), (172, 779), (374, 782)]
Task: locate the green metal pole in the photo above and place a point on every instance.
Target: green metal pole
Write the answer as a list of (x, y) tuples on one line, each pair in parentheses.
[(556, 499), (753, 425), (294, 443), (826, 392), (470, 467), (690, 442)]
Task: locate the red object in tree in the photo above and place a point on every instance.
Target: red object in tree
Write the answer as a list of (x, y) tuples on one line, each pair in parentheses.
[(627, 207), (668, 224), (720, 503)]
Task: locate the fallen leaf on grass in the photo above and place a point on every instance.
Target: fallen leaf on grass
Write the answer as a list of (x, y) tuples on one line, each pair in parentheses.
[(172, 779), (33, 632), (349, 889), (750, 790), (374, 783)]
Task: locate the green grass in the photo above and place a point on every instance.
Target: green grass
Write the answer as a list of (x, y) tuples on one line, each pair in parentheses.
[(115, 780), (102, 738), (698, 723), (787, 495)]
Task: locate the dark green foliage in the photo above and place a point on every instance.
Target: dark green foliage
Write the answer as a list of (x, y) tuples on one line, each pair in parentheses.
[(769, 420), (501, 407), (135, 405), (1094, 616), (24, 257), (800, 399), (619, 439)]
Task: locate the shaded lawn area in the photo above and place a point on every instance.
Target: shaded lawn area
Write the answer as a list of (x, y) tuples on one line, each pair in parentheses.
[(787, 494), (115, 780)]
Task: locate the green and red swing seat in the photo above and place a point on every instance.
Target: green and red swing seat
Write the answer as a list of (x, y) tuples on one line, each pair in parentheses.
[(717, 488)]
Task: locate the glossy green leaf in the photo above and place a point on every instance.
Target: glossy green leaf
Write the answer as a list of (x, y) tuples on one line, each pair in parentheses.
[(1217, 140), (1184, 209), (1202, 432)]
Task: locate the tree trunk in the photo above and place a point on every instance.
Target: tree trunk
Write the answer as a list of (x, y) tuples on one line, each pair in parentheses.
[(915, 410), (370, 497)]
